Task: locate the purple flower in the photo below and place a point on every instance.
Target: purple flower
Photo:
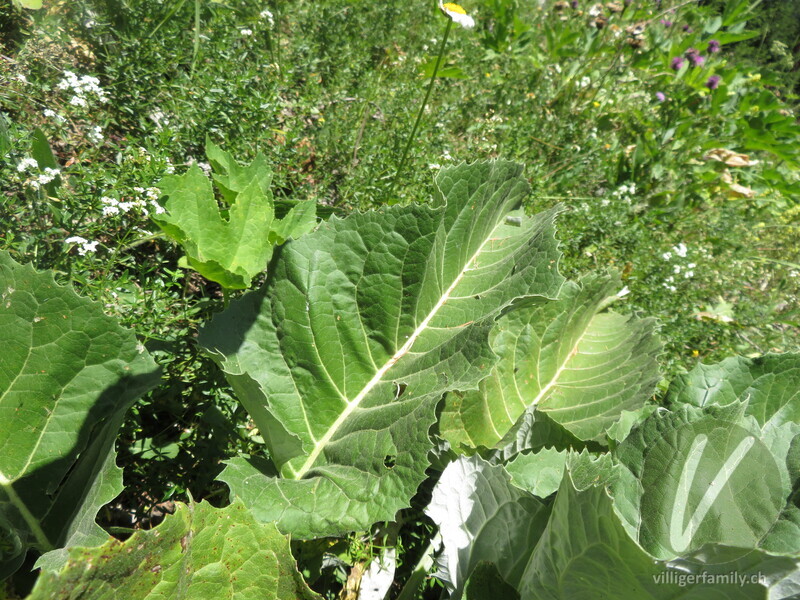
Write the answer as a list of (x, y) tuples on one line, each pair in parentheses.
[(666, 23), (660, 96), (676, 63), (713, 46), (694, 57), (687, 29), (713, 82), (574, 4)]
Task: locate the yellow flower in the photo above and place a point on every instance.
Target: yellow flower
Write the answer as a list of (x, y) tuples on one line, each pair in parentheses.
[(456, 13)]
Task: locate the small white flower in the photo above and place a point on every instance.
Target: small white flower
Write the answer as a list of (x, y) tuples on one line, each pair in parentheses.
[(245, 32), (688, 274), (676, 269), (160, 119), (27, 164), (680, 250), (78, 101), (623, 292), (205, 167), (22, 78), (110, 210), (434, 166), (666, 255), (88, 247), (75, 239), (48, 176), (457, 14), (95, 134), (266, 14)]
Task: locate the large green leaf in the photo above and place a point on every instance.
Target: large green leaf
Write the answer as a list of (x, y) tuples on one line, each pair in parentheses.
[(768, 389), (200, 552), (233, 245), (583, 552), (770, 384), (363, 325), (696, 477), (587, 552), (579, 365), (68, 373), (482, 518)]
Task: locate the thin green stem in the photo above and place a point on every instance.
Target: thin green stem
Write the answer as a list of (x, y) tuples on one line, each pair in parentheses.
[(196, 47), (411, 137), (226, 297), (175, 9)]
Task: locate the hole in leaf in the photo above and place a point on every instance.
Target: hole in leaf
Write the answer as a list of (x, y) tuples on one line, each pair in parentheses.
[(401, 389), (389, 461), (477, 297)]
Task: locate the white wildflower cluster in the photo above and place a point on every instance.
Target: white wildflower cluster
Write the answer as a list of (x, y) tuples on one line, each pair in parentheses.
[(623, 193), (270, 18), (95, 134), (160, 120), (205, 167), (27, 164), (678, 270), (84, 246), (83, 89), (43, 178), (51, 114), (585, 82), (245, 32), (147, 201), (36, 180)]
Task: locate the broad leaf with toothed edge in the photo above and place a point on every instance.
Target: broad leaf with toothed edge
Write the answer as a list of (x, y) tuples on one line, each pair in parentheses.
[(68, 373), (570, 359), (362, 326)]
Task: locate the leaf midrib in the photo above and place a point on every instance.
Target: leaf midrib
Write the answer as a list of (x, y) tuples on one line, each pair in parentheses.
[(353, 404)]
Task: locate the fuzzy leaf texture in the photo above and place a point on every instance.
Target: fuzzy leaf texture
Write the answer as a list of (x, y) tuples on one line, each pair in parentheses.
[(68, 373), (579, 548), (198, 553), (234, 244), (362, 326), (695, 491), (569, 359)]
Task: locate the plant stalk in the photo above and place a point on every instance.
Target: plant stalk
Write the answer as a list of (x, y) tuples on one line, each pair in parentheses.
[(422, 107)]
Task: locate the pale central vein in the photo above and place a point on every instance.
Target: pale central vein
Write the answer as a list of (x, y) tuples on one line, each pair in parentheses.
[(353, 404)]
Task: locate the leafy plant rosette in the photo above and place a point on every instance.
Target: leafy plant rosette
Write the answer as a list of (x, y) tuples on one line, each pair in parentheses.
[(381, 335)]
